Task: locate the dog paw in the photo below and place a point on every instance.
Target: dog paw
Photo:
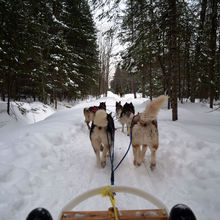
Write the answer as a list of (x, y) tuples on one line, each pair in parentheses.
[(137, 164), (103, 164), (152, 166)]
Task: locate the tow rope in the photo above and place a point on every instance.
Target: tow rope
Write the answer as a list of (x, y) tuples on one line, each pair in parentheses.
[(111, 155), (106, 192)]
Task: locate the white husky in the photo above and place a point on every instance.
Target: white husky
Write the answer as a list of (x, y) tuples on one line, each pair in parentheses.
[(145, 132)]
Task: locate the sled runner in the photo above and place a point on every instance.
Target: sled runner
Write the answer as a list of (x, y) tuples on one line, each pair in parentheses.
[(178, 212)]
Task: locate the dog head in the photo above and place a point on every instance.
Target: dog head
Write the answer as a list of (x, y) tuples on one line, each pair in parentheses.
[(118, 106), (131, 107), (102, 105), (128, 107)]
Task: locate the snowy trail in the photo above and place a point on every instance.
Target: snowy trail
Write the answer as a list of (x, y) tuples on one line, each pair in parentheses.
[(50, 162)]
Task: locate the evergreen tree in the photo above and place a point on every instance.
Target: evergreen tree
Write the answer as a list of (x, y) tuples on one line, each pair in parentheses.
[(48, 50)]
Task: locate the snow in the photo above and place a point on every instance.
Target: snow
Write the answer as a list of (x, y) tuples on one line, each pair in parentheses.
[(59, 22), (47, 162)]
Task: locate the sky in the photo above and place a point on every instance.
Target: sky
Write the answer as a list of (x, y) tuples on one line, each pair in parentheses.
[(46, 159)]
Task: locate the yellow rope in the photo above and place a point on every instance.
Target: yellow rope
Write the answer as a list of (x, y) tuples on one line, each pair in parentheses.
[(106, 192)]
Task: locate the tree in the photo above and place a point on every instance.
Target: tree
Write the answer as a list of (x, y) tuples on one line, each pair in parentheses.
[(48, 50), (212, 49), (172, 17), (106, 45)]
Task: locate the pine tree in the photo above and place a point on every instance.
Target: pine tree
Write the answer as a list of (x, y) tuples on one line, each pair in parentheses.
[(48, 50)]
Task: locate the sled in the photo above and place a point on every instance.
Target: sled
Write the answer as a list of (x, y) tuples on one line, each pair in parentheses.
[(160, 213)]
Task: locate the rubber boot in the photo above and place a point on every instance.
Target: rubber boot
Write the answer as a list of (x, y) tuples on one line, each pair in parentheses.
[(181, 212), (39, 214)]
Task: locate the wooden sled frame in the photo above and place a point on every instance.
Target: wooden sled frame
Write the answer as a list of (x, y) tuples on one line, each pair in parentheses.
[(161, 213)]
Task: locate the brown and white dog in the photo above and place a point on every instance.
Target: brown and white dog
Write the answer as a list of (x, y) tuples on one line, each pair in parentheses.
[(126, 116), (145, 132), (102, 126), (89, 113)]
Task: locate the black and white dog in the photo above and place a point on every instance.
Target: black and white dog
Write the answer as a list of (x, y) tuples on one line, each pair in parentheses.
[(118, 109), (126, 116), (102, 134)]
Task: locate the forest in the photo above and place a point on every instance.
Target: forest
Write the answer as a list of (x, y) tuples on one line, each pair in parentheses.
[(49, 50)]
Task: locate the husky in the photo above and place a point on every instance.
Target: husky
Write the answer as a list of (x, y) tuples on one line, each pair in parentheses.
[(118, 109), (145, 132), (102, 134), (126, 116), (89, 113)]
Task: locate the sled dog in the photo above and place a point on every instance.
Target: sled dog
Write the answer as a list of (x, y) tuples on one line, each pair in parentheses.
[(90, 112), (102, 135), (145, 132), (126, 116), (118, 109)]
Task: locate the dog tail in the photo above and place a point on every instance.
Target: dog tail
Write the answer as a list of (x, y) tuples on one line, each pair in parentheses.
[(152, 109), (100, 118)]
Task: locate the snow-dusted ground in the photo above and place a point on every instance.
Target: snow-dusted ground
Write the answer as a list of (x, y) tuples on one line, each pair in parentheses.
[(50, 162)]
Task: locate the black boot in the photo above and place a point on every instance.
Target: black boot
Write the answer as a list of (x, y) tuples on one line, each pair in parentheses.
[(181, 212), (39, 214)]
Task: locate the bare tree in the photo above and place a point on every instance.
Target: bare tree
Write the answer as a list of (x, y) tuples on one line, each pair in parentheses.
[(106, 45)]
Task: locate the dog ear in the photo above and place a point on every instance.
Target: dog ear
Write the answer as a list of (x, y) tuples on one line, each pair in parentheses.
[(119, 102)]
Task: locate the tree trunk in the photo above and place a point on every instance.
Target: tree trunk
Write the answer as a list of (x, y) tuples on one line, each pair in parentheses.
[(143, 83), (150, 79), (133, 87), (173, 56), (179, 73), (197, 61), (212, 49), (9, 90)]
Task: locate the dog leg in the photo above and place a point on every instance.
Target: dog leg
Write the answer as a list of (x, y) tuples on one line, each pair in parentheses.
[(101, 147), (153, 157), (128, 129), (144, 149), (104, 153), (96, 147), (88, 125), (136, 153), (123, 128), (97, 152)]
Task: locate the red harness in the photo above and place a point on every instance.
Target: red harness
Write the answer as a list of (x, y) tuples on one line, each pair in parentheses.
[(93, 109)]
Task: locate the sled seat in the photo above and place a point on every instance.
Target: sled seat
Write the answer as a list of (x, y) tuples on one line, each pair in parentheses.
[(150, 214)]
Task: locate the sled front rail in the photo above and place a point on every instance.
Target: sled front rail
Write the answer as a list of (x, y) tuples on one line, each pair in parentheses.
[(151, 214), (161, 213)]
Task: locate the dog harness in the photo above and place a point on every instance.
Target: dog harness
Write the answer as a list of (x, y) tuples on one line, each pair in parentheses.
[(93, 109)]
